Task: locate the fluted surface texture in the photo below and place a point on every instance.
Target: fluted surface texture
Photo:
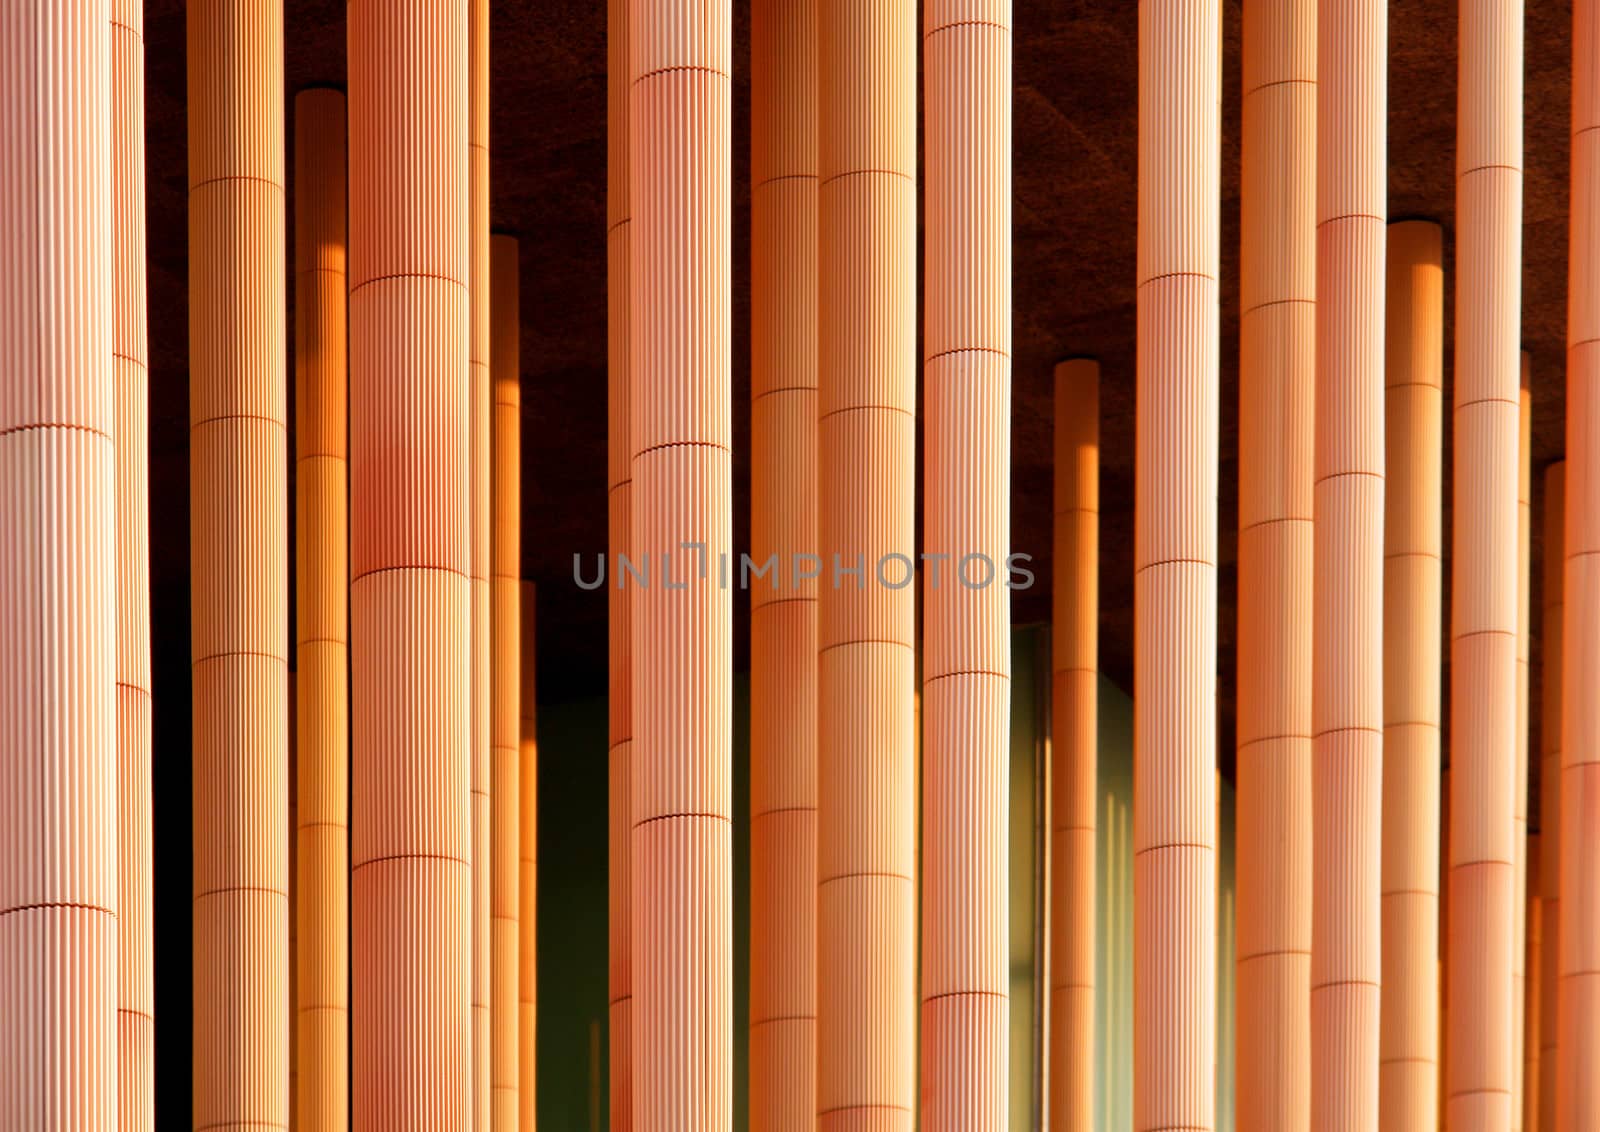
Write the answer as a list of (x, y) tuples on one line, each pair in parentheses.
[(1555, 568), (1533, 970), (410, 556), (1519, 829), (528, 864)]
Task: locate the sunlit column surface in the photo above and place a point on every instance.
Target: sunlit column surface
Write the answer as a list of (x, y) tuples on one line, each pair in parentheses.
[(410, 557), (528, 865), (1533, 981), (238, 452), (1175, 579), (1519, 829), (1074, 746), (59, 571), (1550, 644), (1408, 1041), (322, 615)]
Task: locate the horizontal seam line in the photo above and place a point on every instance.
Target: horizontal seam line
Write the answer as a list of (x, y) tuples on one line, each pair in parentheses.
[(865, 408), (235, 177), (1278, 82), (930, 358), (1175, 275), (393, 275), (411, 857), (451, 570), (862, 874), (862, 641), (230, 888), (724, 818), (282, 425), (1276, 303)]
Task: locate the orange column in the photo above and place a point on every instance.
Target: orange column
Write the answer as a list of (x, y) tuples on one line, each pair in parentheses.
[(1175, 573), (1555, 563), (322, 616), (239, 564), (1519, 829), (783, 608), (527, 866), (59, 571), (1074, 746), (1531, 1004), (1277, 391), (1483, 633), (1408, 1041), (866, 664), (1578, 1045), (505, 567), (680, 404), (411, 897), (130, 353), (1347, 664)]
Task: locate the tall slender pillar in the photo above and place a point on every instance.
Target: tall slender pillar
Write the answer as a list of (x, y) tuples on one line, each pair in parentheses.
[(1531, 997), (1408, 1039), (1519, 828), (1175, 572), (783, 607), (1555, 568), (680, 405), (1479, 1084), (130, 353), (411, 898), (1277, 392), (1578, 1044), (1074, 744), (528, 866), (322, 616), (1348, 502), (59, 736), (505, 567), (238, 451), (866, 664)]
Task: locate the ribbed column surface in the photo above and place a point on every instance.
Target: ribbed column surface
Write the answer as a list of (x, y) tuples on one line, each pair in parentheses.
[(322, 616), (1519, 829), (1408, 1039), (1175, 571), (1480, 1073), (1578, 1043), (1533, 960), (1277, 392), (783, 525), (680, 434), (238, 453), (1550, 676), (620, 600), (505, 734), (1074, 743), (1348, 506), (60, 572), (411, 843), (528, 865), (130, 362), (866, 661)]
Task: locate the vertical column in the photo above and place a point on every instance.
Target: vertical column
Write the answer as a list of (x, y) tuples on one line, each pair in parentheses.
[(966, 659), (1277, 393), (620, 600), (866, 663), (1555, 567), (238, 564), (59, 885), (528, 866), (322, 615), (1408, 1039), (1074, 722), (1578, 1044), (411, 899), (1347, 666), (680, 408), (1175, 573), (1531, 1003), (505, 568), (1483, 612), (1519, 828), (130, 361), (783, 527)]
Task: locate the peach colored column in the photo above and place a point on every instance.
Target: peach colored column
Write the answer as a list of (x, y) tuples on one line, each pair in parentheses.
[(1444, 937), (1408, 1040), (1074, 722), (528, 866), (1531, 1004), (1175, 573), (1578, 1045), (966, 655), (1277, 391), (1519, 829), (505, 568), (680, 405), (783, 608), (130, 352), (1479, 1077), (411, 898), (866, 663), (239, 564), (59, 833), (1555, 563), (1347, 633), (620, 600), (322, 616)]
